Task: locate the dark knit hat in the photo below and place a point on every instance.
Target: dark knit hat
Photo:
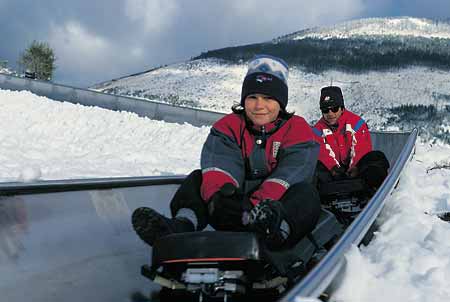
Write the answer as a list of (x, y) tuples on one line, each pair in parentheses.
[(267, 75), (331, 96)]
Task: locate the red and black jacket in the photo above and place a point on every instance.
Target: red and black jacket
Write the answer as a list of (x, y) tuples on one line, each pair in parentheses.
[(344, 144), (275, 156)]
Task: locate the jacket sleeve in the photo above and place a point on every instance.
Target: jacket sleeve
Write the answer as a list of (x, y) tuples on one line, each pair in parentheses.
[(297, 163), (361, 142), (221, 162)]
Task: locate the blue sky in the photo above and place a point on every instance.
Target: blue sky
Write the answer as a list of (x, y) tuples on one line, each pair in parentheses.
[(95, 41)]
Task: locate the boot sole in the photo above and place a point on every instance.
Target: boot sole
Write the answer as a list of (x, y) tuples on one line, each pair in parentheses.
[(150, 225)]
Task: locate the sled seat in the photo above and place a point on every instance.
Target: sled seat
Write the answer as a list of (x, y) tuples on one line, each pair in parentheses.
[(342, 188), (206, 246)]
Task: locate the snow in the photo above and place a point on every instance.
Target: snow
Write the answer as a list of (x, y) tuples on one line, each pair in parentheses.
[(43, 139), (212, 85), (371, 27), (6, 70), (408, 260)]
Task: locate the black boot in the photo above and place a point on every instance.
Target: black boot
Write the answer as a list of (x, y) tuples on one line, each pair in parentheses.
[(150, 225)]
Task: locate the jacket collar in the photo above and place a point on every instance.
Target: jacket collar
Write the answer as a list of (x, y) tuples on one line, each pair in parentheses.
[(268, 128)]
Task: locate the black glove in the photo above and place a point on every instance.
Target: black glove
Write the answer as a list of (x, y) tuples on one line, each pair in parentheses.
[(338, 173), (225, 209), (265, 219)]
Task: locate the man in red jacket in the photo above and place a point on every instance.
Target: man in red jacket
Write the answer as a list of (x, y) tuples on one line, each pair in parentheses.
[(257, 166), (346, 146)]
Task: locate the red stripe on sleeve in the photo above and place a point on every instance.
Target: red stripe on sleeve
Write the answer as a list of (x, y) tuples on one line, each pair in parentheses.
[(268, 190), (212, 181)]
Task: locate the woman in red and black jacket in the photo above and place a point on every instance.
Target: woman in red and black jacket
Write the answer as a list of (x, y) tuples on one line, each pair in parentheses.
[(257, 166), (345, 143)]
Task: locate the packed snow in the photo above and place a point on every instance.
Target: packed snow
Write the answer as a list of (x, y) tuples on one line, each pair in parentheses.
[(43, 139), (409, 257), (408, 260)]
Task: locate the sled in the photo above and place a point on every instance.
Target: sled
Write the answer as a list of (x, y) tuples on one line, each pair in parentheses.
[(217, 264)]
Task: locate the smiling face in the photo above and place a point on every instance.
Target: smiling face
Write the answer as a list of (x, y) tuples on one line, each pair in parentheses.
[(261, 109), (332, 117)]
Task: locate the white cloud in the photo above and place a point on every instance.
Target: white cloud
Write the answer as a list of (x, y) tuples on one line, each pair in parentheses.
[(299, 12), (78, 49), (156, 32), (155, 15), (90, 56)]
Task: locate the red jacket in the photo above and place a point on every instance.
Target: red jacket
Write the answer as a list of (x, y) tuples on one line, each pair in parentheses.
[(276, 156), (345, 144)]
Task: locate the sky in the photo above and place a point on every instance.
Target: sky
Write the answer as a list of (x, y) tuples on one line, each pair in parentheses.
[(96, 41), (408, 259)]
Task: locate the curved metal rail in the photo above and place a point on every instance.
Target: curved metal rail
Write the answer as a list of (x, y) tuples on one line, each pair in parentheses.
[(50, 186), (150, 109)]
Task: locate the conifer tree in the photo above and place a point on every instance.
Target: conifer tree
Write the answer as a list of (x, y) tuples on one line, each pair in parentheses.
[(39, 59)]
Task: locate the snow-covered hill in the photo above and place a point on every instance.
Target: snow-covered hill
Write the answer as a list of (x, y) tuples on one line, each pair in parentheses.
[(375, 27), (215, 84), (6, 71)]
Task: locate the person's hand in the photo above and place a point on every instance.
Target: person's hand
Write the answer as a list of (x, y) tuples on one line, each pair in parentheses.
[(338, 172), (225, 208), (266, 215), (353, 172), (265, 219)]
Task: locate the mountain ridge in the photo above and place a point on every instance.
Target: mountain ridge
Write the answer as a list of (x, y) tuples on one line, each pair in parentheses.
[(355, 46), (311, 33)]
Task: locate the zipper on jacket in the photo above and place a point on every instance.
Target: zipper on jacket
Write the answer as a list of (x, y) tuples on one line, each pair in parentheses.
[(263, 136)]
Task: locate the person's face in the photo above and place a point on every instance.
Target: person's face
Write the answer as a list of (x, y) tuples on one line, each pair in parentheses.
[(332, 115), (261, 109)]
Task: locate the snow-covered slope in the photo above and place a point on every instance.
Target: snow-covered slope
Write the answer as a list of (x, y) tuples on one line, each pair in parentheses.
[(6, 71), (208, 84), (215, 84), (374, 27)]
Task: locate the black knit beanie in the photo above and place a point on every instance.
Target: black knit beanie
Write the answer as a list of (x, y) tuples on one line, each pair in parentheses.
[(267, 75), (331, 96)]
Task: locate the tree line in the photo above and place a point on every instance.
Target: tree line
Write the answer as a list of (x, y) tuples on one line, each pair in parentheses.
[(352, 55)]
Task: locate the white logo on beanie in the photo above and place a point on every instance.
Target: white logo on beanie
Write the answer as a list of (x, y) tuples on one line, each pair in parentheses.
[(261, 78)]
